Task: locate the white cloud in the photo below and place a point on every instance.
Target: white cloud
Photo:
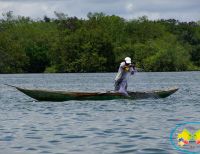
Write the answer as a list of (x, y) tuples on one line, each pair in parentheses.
[(184, 10), (129, 7)]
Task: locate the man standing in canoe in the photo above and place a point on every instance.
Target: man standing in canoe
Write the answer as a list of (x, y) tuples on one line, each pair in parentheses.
[(125, 69)]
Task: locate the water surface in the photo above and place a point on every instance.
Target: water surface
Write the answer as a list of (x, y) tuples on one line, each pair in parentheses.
[(95, 127)]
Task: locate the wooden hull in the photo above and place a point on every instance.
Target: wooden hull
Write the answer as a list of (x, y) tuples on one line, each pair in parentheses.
[(57, 96)]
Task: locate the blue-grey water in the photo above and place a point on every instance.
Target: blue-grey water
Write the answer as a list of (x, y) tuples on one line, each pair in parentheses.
[(95, 127)]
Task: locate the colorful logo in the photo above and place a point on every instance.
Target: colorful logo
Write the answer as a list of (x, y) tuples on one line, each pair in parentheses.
[(185, 137)]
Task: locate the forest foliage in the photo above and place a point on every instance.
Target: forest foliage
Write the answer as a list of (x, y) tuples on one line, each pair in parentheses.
[(96, 44)]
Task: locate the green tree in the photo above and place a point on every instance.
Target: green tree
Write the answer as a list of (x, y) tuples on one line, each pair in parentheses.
[(169, 55)]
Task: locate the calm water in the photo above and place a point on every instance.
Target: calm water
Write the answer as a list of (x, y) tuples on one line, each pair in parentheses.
[(95, 127)]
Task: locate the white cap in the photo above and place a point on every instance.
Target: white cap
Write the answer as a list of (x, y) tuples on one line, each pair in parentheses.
[(128, 60)]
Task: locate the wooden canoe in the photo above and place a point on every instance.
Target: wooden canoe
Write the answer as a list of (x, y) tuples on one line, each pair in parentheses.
[(57, 96)]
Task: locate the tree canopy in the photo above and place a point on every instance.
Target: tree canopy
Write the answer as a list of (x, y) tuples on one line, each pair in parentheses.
[(96, 44)]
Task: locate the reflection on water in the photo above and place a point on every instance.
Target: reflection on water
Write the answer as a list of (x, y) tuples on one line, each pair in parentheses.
[(116, 126)]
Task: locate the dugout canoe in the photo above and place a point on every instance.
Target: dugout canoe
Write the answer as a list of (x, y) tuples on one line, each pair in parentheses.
[(57, 96)]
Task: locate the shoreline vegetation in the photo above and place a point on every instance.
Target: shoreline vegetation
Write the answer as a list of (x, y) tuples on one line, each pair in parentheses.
[(97, 44)]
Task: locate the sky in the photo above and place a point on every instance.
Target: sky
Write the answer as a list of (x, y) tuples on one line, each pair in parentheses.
[(182, 10)]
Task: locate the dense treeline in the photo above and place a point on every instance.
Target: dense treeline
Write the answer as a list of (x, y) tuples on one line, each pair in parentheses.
[(96, 44)]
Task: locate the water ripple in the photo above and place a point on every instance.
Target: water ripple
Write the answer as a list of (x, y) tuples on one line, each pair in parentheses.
[(87, 127)]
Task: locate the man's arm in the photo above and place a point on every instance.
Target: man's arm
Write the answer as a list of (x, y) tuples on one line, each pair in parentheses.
[(132, 69), (119, 74)]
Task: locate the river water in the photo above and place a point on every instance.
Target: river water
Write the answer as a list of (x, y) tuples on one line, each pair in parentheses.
[(95, 127)]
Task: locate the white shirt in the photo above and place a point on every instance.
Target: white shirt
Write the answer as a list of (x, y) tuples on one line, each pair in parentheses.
[(122, 73)]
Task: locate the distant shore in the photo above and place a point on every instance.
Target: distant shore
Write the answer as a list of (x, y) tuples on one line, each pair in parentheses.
[(96, 44)]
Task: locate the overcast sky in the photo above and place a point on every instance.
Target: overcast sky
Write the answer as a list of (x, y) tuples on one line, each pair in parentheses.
[(183, 10)]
